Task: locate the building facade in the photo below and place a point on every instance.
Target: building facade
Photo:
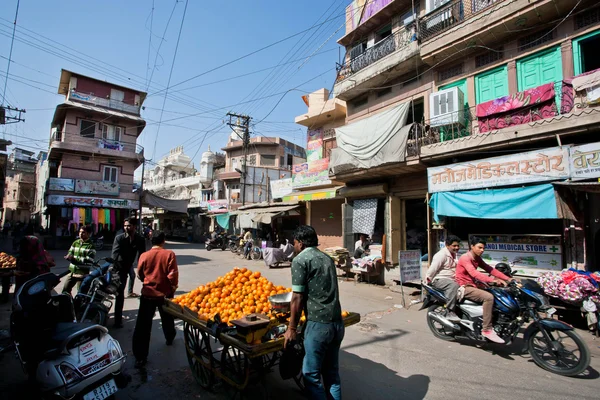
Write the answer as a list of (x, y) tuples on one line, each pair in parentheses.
[(92, 156), (440, 83), (19, 195)]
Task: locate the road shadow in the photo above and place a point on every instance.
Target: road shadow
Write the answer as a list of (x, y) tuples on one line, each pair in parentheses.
[(172, 245), (184, 260)]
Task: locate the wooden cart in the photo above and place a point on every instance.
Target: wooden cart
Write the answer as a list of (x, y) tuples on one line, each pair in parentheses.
[(226, 357)]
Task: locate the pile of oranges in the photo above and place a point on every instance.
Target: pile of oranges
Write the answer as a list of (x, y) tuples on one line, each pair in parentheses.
[(240, 292)]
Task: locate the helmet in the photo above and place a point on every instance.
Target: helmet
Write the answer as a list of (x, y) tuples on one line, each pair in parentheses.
[(504, 268)]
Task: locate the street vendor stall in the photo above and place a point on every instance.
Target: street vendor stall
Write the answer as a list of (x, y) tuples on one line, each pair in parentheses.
[(234, 328)]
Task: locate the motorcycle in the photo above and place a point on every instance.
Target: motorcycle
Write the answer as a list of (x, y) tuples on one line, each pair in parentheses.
[(63, 356), (217, 243), (95, 305), (553, 344), (233, 243), (255, 251), (99, 243)]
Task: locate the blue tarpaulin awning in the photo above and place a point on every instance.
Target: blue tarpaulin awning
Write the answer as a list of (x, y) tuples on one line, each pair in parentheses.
[(530, 202), (223, 220)]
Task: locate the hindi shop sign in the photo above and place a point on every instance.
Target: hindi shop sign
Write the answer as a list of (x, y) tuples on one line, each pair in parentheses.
[(314, 173), (585, 161), (410, 265), (98, 202), (534, 166)]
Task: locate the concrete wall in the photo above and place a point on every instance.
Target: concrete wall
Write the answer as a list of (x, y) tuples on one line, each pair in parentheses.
[(326, 218), (71, 129)]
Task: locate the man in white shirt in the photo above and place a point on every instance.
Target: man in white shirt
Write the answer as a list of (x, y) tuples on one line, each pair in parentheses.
[(361, 246), (441, 273)]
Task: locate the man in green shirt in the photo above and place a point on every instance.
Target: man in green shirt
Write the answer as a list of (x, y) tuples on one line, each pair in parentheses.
[(315, 287), (82, 252)]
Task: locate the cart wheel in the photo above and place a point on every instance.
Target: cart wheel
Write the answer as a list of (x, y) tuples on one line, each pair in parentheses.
[(235, 367), (199, 356)]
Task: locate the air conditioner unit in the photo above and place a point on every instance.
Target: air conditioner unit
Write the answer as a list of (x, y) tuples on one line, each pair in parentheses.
[(447, 107)]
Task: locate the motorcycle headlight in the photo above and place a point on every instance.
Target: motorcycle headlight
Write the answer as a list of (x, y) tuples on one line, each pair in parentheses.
[(69, 373), (114, 350)]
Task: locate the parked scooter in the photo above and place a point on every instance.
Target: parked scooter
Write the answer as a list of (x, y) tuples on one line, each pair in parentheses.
[(95, 305), (553, 344), (233, 243), (64, 357)]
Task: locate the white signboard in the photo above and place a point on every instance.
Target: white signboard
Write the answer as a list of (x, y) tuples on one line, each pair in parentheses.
[(534, 166), (410, 265), (62, 184), (98, 202), (281, 188), (530, 255), (585, 161)]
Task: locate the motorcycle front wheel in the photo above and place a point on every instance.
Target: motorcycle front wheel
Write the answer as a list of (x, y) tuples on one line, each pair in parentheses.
[(256, 254), (208, 247), (95, 316), (438, 330), (571, 355)]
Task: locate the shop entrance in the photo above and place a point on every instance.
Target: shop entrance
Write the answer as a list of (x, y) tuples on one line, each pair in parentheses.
[(416, 225)]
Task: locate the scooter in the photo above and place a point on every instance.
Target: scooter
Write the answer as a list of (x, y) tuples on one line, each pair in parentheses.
[(217, 243), (64, 357)]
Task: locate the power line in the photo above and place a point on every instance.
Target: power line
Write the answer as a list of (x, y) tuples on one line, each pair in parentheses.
[(12, 42), (162, 39), (170, 75), (149, 43)]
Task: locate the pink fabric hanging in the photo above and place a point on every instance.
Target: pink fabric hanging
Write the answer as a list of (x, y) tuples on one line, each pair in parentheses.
[(113, 218), (95, 219), (76, 216)]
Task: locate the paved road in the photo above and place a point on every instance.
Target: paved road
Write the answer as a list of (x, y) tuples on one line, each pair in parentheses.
[(390, 354)]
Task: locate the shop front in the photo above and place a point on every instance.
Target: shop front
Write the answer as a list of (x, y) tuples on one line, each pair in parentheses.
[(269, 221), (68, 213), (511, 203)]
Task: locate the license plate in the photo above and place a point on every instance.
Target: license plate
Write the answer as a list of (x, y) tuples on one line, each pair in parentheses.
[(551, 311), (102, 392)]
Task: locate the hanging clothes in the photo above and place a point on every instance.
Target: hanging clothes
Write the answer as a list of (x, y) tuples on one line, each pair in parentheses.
[(101, 219), (88, 216), (107, 218), (82, 215), (75, 218), (113, 219), (119, 222), (64, 212), (95, 219)]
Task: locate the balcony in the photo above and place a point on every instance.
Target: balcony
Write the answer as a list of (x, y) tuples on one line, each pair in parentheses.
[(59, 142), (461, 24), (103, 102), (387, 56), (510, 120)]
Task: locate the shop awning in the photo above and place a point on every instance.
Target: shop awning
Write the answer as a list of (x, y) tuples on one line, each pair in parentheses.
[(530, 202), (223, 220), (152, 200), (312, 195), (592, 187), (266, 214)]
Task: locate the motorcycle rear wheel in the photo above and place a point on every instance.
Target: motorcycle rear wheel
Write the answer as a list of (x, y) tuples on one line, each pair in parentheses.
[(208, 247), (256, 254), (436, 328), (95, 316), (543, 356)]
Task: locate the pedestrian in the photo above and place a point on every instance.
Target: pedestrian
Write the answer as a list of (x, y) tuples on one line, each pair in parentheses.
[(157, 269), (126, 247), (442, 271), (315, 289), (82, 252)]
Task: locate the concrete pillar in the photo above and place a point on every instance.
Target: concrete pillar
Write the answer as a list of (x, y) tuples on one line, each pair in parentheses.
[(566, 49), (471, 91), (513, 86)]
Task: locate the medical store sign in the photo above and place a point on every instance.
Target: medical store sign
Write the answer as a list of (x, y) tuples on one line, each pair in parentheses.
[(535, 166), (98, 202)]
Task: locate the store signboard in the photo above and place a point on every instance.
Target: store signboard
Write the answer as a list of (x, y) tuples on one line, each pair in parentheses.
[(314, 145), (314, 173), (534, 166), (410, 265), (61, 184), (218, 206), (281, 188), (585, 161), (98, 202), (530, 255), (96, 187)]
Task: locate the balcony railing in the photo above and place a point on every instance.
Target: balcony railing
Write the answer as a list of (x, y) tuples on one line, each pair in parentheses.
[(104, 102), (88, 144), (384, 47), (451, 14)]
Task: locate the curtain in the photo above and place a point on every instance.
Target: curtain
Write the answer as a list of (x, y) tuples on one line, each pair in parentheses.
[(365, 213)]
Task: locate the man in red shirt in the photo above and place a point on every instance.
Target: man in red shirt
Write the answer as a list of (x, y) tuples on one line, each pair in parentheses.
[(467, 274), (157, 269)]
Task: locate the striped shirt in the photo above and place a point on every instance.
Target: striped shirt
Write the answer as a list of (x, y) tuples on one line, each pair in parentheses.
[(84, 253)]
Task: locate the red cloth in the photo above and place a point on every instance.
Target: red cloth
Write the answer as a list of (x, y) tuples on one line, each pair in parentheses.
[(466, 271), (157, 268)]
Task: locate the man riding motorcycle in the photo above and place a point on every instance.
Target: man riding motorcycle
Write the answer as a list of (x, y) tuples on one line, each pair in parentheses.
[(466, 277), (441, 273)]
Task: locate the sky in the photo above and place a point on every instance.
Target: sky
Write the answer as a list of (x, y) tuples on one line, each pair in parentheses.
[(133, 43)]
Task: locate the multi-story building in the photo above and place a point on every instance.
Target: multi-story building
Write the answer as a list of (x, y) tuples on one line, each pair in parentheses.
[(175, 177), (19, 195), (267, 158), (41, 179), (93, 155), (447, 83)]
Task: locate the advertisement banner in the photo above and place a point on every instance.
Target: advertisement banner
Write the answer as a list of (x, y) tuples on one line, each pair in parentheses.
[(314, 173), (534, 166), (529, 255), (60, 200), (585, 161), (217, 206), (65, 185), (314, 150), (314, 134), (96, 187), (410, 265), (281, 188)]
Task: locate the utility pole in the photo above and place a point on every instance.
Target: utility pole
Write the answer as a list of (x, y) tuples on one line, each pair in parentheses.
[(5, 118), (242, 122), (141, 189)]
